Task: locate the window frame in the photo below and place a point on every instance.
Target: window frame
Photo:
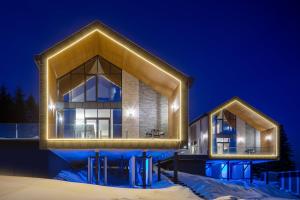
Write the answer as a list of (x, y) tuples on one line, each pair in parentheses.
[(85, 75)]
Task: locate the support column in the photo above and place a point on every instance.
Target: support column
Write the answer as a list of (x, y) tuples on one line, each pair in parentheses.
[(228, 170), (175, 165), (90, 170), (266, 177), (244, 171), (144, 157), (251, 174), (105, 169), (132, 171), (158, 171), (97, 174), (150, 171)]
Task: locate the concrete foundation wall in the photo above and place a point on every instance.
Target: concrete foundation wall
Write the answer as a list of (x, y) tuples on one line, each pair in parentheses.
[(24, 158)]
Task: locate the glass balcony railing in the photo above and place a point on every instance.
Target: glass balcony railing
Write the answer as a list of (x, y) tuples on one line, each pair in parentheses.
[(245, 150), (19, 130), (104, 129)]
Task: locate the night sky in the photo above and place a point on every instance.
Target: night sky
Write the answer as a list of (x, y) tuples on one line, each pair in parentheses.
[(249, 49)]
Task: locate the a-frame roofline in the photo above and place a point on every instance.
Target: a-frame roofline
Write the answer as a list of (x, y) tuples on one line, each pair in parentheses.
[(102, 28), (244, 110), (240, 101)]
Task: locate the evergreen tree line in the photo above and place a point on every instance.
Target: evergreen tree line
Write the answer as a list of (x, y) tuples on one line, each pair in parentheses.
[(17, 108)]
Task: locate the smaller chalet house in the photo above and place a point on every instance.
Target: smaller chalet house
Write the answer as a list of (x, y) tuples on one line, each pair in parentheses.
[(233, 134)]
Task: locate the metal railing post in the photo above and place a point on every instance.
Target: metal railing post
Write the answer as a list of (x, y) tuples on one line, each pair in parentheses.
[(290, 181), (17, 131), (175, 166), (297, 183), (105, 169), (282, 181), (158, 171)]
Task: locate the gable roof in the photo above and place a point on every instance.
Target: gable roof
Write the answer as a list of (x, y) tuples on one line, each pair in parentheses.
[(247, 113), (98, 39), (237, 108)]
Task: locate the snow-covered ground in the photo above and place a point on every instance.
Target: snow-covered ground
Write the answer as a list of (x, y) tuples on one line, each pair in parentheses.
[(218, 189), (26, 188)]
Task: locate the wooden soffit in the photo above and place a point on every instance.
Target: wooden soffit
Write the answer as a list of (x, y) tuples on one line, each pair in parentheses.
[(97, 39), (249, 114)]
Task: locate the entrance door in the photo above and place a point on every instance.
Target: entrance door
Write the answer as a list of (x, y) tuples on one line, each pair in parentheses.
[(222, 148), (104, 128), (97, 128), (219, 148), (91, 128)]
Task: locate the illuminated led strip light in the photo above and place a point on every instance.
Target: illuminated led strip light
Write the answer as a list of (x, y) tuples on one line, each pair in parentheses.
[(135, 53), (241, 155)]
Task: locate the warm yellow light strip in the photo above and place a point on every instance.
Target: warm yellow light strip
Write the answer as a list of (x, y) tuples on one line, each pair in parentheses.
[(241, 155), (117, 139), (130, 50)]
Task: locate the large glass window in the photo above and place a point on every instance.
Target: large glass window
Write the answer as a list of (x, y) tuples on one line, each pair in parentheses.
[(94, 81), (224, 127), (108, 91), (93, 85), (233, 135), (90, 88), (89, 123), (64, 87), (117, 123)]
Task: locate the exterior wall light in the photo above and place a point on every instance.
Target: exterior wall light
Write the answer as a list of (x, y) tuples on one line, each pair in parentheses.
[(175, 106), (241, 140), (52, 107), (268, 138), (130, 112)]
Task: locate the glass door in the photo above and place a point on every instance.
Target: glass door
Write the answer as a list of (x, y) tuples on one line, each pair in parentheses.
[(90, 128), (104, 128), (219, 148)]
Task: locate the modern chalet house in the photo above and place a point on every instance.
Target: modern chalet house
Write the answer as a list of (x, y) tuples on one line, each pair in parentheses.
[(100, 91), (231, 137)]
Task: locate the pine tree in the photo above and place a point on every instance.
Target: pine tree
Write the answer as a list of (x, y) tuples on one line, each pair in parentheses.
[(19, 109), (32, 113), (6, 106), (285, 162)]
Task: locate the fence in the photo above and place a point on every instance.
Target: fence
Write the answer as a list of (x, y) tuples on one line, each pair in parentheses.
[(288, 181)]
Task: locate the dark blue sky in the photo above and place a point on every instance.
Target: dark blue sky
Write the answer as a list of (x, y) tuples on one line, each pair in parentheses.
[(249, 49)]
